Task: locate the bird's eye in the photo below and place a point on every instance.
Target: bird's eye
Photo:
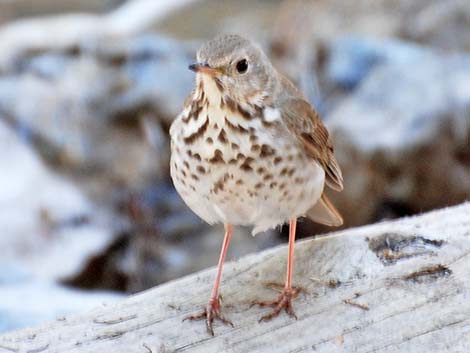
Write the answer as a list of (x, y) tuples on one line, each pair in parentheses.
[(242, 66)]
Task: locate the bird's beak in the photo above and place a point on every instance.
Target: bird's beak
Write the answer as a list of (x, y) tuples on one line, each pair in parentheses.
[(203, 68)]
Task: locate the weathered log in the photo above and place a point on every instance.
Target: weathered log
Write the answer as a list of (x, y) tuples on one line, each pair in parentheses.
[(399, 286)]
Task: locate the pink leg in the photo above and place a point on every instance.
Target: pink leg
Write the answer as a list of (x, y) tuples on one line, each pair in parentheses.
[(213, 311), (284, 301), (290, 254), (223, 253)]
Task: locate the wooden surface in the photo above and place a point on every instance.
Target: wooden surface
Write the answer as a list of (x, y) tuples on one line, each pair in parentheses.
[(401, 286)]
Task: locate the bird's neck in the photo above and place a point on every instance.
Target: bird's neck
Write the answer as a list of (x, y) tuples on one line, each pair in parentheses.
[(214, 95)]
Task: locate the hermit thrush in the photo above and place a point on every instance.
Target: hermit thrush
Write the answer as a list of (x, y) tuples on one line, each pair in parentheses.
[(248, 149)]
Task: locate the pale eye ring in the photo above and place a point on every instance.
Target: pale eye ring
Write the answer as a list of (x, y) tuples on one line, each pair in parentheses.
[(242, 66)]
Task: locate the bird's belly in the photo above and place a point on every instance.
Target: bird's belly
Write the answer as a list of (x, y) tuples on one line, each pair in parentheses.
[(245, 177)]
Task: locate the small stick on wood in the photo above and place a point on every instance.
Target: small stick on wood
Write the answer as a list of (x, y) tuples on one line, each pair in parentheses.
[(357, 305)]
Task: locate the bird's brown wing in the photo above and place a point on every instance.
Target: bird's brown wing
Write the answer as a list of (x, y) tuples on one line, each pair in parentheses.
[(303, 121)]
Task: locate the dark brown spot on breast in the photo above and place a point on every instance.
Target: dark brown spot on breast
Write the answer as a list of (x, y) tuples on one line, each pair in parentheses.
[(268, 177), (193, 155), (290, 158), (246, 165), (258, 110), (266, 151), (239, 182), (218, 186), (186, 164), (267, 124), (230, 104), (277, 160), (219, 85), (253, 138), (291, 172), (235, 146), (282, 186), (272, 185), (260, 170), (283, 171), (217, 158), (299, 180), (259, 185), (240, 156), (255, 148), (235, 128), (222, 136), (209, 140), (201, 169), (195, 177), (244, 113), (196, 107)]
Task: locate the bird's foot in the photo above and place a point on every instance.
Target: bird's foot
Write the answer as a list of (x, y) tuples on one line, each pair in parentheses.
[(284, 301), (211, 312)]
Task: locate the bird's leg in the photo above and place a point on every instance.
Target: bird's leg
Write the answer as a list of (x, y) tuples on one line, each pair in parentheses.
[(284, 301), (212, 310)]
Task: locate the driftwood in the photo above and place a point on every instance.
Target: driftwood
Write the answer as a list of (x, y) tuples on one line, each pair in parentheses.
[(400, 286)]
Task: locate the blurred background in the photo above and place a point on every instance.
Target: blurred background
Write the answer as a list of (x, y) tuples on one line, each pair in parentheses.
[(89, 88)]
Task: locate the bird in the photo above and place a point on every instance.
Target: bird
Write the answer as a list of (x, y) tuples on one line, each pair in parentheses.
[(248, 149)]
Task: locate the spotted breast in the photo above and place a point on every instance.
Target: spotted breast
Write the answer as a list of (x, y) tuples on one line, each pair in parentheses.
[(237, 164)]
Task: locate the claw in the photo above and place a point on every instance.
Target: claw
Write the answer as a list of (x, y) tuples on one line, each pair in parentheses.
[(284, 301), (212, 311)]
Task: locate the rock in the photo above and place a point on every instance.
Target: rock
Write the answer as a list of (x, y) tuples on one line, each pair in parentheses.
[(442, 25), (155, 71), (402, 137), (49, 232), (39, 212), (351, 58), (93, 107)]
